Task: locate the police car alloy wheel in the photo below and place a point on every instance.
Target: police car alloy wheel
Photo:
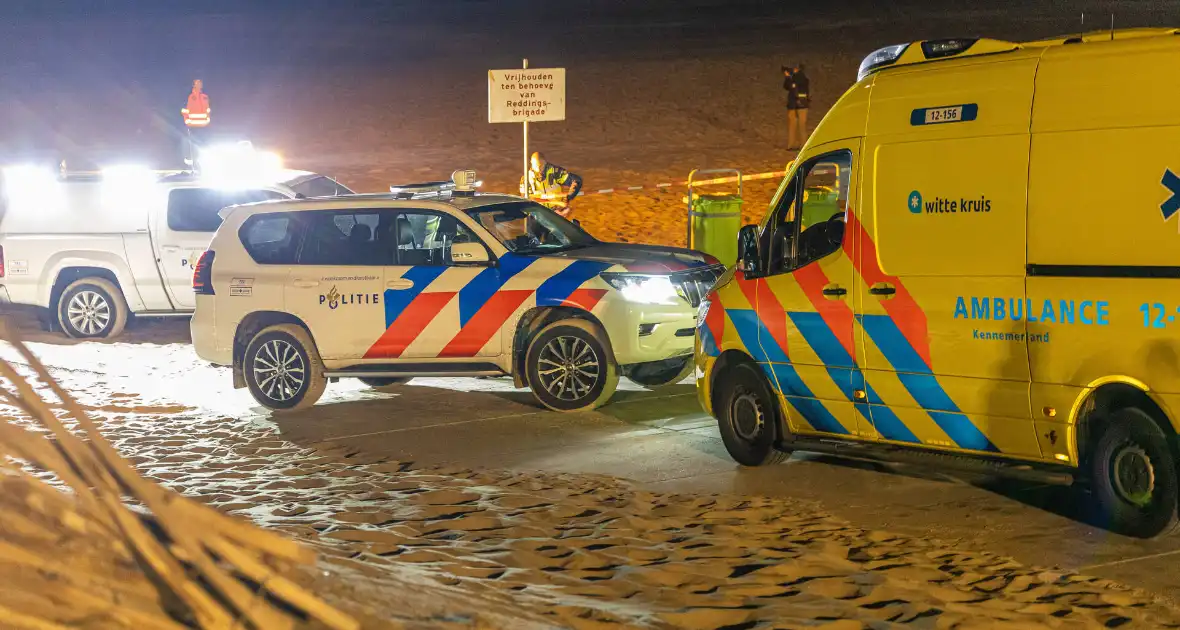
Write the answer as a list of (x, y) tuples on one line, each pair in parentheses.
[(282, 368), (1133, 476), (747, 416), (570, 368), (91, 308)]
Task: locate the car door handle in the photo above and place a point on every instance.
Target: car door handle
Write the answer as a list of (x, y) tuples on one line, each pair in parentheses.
[(400, 284), (835, 291), (170, 248), (305, 284), (883, 289)]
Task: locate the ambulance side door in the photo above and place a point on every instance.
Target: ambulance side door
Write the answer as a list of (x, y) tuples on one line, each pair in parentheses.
[(805, 298), (941, 233), (183, 230)]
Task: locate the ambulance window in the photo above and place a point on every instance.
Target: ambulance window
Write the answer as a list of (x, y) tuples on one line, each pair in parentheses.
[(270, 239), (823, 210), (779, 232)]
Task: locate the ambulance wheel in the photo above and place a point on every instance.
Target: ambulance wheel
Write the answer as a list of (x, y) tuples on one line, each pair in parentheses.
[(283, 368), (377, 381), (657, 374), (92, 308), (1133, 476), (747, 416), (570, 368)]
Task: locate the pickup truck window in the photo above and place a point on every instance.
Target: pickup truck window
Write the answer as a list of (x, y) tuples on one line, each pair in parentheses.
[(195, 209), (270, 239)]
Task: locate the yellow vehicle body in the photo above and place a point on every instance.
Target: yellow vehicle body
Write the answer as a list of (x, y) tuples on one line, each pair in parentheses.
[(1006, 264)]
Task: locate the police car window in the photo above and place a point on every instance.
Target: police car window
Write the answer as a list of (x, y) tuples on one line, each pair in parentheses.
[(347, 238), (320, 187), (425, 238), (270, 239), (527, 227), (195, 209)]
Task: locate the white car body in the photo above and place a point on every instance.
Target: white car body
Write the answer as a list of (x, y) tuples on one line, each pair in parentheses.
[(454, 318), (131, 234)]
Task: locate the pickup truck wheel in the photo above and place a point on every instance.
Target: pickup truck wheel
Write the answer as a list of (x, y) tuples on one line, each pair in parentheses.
[(1132, 474), (92, 308), (570, 368), (283, 369), (747, 416)]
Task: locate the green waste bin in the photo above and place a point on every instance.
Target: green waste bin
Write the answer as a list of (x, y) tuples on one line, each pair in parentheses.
[(714, 218)]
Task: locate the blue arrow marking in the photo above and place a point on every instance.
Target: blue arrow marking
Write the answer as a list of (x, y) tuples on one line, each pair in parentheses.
[(1172, 205)]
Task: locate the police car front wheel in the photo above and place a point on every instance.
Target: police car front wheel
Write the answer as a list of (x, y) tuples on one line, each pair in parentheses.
[(283, 369), (747, 416), (570, 368), (1133, 476)]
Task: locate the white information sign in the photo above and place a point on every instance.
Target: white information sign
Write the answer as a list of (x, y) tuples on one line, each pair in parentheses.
[(526, 95)]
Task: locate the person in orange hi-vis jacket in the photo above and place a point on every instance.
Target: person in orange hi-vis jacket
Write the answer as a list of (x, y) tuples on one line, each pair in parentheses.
[(196, 118)]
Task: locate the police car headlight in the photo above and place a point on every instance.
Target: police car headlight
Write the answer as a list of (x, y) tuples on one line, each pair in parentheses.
[(643, 288)]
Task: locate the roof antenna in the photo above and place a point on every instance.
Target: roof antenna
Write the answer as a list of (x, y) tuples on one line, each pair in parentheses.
[(1082, 32), (1112, 27)]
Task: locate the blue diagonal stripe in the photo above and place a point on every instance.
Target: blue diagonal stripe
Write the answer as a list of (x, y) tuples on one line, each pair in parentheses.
[(1172, 183), (921, 383), (397, 301), (748, 326), (484, 285), (841, 367), (555, 290), (708, 343)]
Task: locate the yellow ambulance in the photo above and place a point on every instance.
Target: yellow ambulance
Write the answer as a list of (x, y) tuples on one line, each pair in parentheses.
[(976, 253)]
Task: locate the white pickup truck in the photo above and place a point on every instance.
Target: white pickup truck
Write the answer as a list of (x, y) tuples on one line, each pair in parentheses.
[(96, 249)]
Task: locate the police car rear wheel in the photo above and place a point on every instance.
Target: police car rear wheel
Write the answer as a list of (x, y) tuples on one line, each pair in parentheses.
[(570, 368), (1133, 476), (283, 369), (747, 416)]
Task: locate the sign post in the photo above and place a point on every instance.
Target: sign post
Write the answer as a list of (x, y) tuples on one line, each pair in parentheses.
[(523, 96)]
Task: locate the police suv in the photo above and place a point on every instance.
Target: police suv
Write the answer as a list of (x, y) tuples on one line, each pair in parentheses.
[(440, 281)]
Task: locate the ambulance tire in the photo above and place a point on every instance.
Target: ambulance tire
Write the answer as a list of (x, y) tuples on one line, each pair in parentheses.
[(92, 308), (747, 416), (571, 337), (1133, 476), (300, 383), (382, 381)]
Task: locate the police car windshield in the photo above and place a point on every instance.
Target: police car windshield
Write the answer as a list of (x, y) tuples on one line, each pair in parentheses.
[(528, 227)]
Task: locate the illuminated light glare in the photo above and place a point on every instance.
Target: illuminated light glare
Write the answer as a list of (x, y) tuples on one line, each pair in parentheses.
[(644, 289), (32, 189), (128, 188), (238, 165)]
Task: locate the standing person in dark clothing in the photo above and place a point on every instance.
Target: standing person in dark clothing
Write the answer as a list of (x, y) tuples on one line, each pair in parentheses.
[(798, 89)]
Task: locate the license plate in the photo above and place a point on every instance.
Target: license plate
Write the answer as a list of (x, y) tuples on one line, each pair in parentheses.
[(944, 114)]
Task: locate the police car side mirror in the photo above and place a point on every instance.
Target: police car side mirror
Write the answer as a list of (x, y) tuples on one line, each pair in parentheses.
[(469, 254), (748, 249)]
